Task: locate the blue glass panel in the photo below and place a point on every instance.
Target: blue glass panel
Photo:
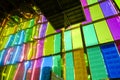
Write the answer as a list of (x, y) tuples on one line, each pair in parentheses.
[(107, 8), (46, 68), (112, 60)]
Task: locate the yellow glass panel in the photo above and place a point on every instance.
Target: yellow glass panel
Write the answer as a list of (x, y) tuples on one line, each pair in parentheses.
[(50, 29), (80, 65), (77, 38), (103, 32), (49, 46), (96, 12)]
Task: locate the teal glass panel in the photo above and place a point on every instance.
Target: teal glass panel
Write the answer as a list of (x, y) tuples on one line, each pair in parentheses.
[(57, 43), (69, 66), (67, 40), (90, 35), (17, 38), (57, 65), (97, 65), (10, 41)]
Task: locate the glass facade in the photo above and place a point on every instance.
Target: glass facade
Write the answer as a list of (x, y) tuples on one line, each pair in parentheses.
[(90, 50)]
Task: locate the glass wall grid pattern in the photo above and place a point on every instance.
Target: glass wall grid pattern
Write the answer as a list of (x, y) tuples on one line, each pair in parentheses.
[(33, 51)]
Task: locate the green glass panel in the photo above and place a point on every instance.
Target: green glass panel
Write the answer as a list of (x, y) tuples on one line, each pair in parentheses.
[(118, 3), (57, 41), (28, 35), (67, 40), (96, 62), (89, 35), (96, 12), (34, 31), (49, 46), (77, 38), (31, 23), (91, 1), (103, 32), (57, 65), (11, 72), (69, 66)]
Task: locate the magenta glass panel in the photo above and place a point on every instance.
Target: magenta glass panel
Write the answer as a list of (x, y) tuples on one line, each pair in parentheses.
[(114, 25), (83, 2), (88, 17), (40, 45), (36, 69)]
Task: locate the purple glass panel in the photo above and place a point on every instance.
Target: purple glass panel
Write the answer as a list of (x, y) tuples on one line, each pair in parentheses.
[(88, 17), (114, 25), (58, 30), (44, 19), (40, 45), (43, 28), (107, 8)]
